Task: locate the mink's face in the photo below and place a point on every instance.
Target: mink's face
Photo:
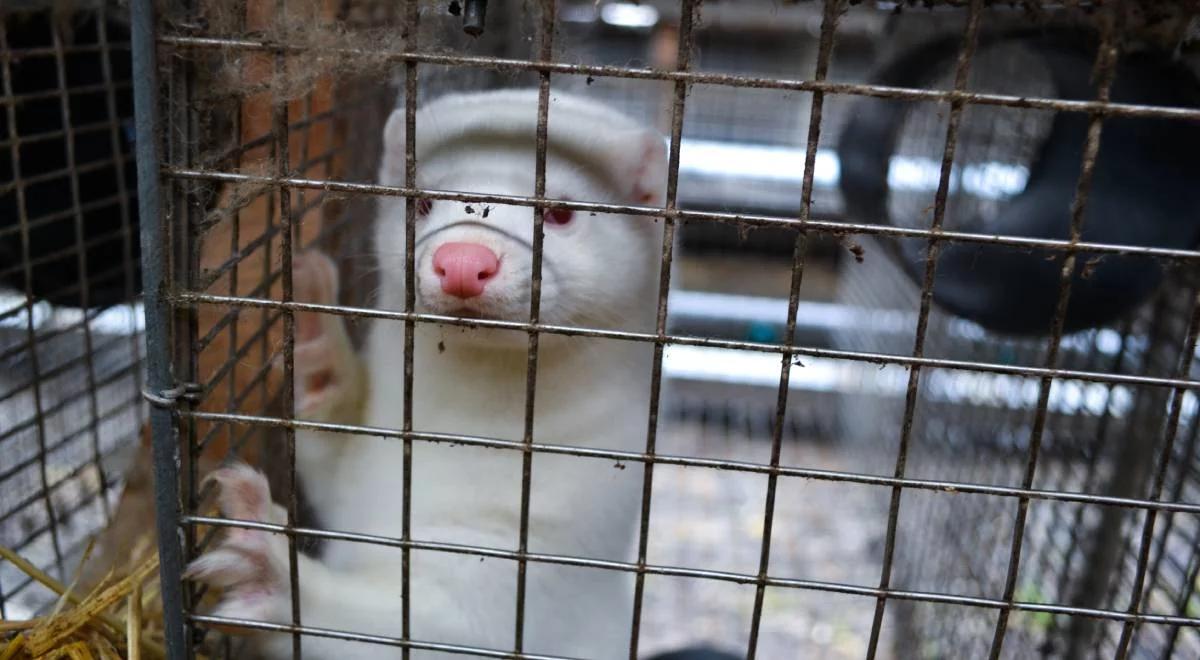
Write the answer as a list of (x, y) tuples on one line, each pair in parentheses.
[(477, 260)]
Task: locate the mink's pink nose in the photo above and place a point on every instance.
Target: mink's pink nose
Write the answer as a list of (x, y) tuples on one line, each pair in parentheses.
[(465, 268)]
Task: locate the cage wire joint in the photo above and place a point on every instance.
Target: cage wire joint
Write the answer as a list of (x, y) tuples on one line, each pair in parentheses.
[(169, 397)]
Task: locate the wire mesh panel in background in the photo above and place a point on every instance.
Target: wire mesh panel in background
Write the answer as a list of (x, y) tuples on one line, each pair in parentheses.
[(1093, 438), (70, 355), (1099, 439), (1015, 510)]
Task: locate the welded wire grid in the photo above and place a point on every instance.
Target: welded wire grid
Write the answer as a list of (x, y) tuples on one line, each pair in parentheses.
[(1152, 601), (1098, 439), (70, 371)]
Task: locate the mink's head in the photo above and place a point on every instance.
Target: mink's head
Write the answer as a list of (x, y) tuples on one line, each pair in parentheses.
[(476, 259)]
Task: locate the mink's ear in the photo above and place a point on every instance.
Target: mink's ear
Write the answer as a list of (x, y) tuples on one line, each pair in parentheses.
[(391, 166), (649, 170)]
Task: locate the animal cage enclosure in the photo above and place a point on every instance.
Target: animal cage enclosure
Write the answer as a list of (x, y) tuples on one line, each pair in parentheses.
[(841, 458), (70, 348)]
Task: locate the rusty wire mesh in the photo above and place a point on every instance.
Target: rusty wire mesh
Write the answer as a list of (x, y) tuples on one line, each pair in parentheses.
[(1045, 475)]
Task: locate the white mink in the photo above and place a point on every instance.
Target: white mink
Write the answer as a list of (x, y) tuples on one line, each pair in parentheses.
[(476, 260)]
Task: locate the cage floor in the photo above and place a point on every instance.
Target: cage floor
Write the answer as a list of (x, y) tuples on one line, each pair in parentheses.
[(713, 519)]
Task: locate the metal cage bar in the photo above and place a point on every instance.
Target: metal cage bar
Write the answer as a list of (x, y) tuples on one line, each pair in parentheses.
[(547, 10), (731, 80), (683, 57), (832, 11), (832, 227), (193, 298), (412, 17), (962, 68), (1106, 59), (287, 233), (734, 466), (159, 376)]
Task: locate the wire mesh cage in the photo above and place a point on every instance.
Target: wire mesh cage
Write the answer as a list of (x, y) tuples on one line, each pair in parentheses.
[(70, 387), (1106, 440), (1098, 439), (1046, 459), (837, 453)]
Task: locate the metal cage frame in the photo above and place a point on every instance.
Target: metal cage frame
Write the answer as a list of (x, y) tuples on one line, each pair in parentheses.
[(166, 171)]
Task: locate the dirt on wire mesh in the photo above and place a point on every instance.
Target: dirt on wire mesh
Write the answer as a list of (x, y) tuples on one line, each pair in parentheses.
[(1172, 27), (316, 41)]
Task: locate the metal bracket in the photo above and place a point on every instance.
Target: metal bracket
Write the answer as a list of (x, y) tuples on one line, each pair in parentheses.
[(474, 14)]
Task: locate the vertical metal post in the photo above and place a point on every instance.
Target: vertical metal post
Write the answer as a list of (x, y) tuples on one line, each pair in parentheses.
[(545, 54), (279, 131), (1105, 67), (155, 245), (829, 18), (912, 395), (412, 27), (683, 62)]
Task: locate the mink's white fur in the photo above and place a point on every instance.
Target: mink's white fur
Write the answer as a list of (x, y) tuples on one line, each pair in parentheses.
[(598, 271)]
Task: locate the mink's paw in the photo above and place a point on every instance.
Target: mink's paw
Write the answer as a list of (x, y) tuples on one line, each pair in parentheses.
[(327, 370), (250, 566)]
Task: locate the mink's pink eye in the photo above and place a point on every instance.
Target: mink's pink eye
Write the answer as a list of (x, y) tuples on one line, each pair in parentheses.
[(558, 216), (423, 207)]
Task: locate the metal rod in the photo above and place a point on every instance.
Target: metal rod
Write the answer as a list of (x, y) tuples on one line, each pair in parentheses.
[(836, 228), (912, 392), (405, 645), (945, 486), (282, 154), (706, 574), (882, 359), (547, 11), (829, 19), (159, 378), (1105, 66), (412, 28), (695, 77), (683, 58)]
